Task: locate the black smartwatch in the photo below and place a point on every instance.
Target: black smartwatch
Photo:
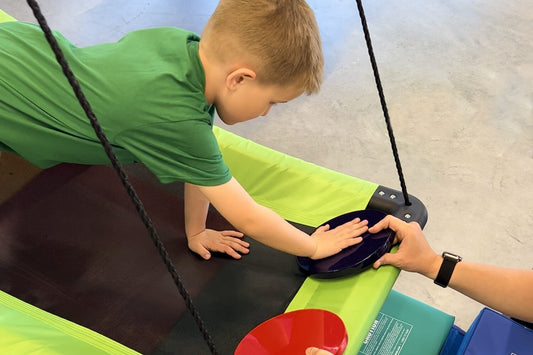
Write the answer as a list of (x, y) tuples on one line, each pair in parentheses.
[(446, 269)]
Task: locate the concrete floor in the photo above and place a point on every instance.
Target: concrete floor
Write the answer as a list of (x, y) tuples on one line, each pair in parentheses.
[(458, 81)]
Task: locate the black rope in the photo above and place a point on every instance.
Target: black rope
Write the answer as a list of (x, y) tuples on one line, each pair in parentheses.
[(383, 103), (120, 171)]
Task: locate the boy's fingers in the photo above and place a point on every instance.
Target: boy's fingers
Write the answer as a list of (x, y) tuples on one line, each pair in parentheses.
[(240, 248), (233, 246), (203, 252), (353, 225), (236, 242), (352, 241), (230, 233), (355, 221), (358, 229), (231, 252)]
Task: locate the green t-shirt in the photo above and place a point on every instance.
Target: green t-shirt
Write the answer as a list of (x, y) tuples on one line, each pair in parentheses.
[(147, 91)]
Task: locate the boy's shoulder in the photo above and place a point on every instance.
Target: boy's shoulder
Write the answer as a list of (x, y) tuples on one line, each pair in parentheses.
[(164, 34), (154, 34)]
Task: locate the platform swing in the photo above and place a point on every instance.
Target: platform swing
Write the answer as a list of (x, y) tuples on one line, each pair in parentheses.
[(349, 194)]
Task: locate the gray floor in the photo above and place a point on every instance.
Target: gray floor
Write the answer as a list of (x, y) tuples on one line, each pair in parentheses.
[(458, 81)]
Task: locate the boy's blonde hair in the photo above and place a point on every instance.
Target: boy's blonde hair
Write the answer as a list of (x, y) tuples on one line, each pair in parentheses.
[(279, 39)]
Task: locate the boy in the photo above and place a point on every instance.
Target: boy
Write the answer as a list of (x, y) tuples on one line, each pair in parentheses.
[(154, 93)]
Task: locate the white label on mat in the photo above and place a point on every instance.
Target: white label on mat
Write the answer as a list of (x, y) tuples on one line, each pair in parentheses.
[(387, 336)]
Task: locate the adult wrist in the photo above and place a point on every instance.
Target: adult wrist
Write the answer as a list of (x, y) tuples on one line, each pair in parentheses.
[(433, 266), (449, 261)]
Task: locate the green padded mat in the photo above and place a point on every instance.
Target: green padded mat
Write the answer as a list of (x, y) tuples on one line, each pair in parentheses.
[(25, 329)]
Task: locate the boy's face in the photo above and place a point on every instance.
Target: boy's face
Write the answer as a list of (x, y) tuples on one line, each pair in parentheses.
[(251, 100)]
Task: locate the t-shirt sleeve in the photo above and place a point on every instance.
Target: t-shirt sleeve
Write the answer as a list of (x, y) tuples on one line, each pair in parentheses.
[(178, 151)]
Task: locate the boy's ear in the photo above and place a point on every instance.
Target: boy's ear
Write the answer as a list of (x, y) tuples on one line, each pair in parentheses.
[(238, 77)]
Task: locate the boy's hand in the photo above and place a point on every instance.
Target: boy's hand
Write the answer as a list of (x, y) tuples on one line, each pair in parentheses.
[(224, 242), (330, 242)]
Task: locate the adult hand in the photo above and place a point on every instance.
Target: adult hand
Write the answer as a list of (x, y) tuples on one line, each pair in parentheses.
[(227, 242), (316, 351), (414, 253), (330, 242)]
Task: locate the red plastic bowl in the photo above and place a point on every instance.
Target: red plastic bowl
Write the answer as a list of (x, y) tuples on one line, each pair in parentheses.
[(293, 332)]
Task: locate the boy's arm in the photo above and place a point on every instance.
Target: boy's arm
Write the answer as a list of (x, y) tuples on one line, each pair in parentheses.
[(267, 227), (196, 208), (202, 240)]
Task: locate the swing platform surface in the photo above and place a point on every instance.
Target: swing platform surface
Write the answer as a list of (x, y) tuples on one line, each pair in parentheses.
[(75, 247)]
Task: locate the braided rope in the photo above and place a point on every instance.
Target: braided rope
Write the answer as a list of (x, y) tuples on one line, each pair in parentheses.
[(383, 103), (120, 171)]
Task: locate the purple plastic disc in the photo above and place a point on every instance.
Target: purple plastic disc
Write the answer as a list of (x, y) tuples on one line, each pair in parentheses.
[(356, 258)]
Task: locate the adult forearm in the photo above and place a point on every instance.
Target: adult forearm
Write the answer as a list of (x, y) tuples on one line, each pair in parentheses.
[(509, 291)]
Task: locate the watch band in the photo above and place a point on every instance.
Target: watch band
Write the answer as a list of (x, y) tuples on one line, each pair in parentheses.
[(446, 269)]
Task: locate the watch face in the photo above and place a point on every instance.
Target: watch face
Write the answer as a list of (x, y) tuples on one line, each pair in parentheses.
[(451, 256), (355, 258)]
